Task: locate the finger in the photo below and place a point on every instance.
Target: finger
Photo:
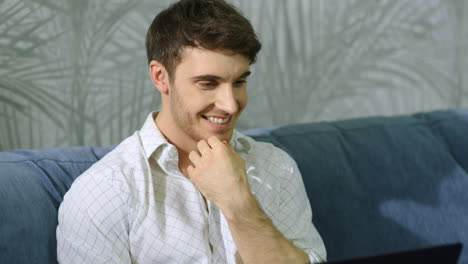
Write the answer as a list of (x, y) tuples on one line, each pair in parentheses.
[(213, 141), (190, 169), (228, 146), (194, 157), (203, 147)]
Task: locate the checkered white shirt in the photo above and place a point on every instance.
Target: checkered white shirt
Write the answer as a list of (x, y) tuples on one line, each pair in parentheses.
[(135, 206)]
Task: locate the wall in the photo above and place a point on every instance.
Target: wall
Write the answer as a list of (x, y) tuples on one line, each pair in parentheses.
[(75, 73)]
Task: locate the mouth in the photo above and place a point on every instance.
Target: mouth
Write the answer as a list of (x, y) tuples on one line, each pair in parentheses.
[(218, 122)]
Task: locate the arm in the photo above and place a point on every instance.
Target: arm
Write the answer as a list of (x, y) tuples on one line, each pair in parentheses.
[(257, 239), (219, 174), (92, 224), (293, 215)]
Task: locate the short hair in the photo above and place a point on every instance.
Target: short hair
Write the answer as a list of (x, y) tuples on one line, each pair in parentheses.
[(208, 24)]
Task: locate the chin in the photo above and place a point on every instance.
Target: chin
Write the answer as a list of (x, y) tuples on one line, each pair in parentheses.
[(223, 136)]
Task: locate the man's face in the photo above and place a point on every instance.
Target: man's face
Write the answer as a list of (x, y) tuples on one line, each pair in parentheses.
[(208, 93)]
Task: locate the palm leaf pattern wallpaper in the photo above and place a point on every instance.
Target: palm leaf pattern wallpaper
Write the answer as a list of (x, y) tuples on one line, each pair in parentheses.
[(75, 72)]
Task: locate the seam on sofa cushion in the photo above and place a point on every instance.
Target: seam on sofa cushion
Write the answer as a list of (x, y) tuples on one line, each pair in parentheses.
[(46, 159), (411, 120)]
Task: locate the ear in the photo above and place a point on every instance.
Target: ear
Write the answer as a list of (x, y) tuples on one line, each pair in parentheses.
[(159, 76)]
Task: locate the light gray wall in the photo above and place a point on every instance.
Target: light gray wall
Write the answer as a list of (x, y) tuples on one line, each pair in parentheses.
[(74, 72)]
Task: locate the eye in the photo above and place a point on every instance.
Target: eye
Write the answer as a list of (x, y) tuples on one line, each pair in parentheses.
[(240, 83), (208, 84)]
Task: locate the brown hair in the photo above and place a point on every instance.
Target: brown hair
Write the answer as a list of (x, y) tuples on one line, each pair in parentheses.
[(209, 24)]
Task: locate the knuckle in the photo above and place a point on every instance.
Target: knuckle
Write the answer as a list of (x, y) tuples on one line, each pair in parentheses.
[(212, 139), (208, 156), (192, 154)]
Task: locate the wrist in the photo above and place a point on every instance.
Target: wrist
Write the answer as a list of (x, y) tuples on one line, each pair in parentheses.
[(244, 205)]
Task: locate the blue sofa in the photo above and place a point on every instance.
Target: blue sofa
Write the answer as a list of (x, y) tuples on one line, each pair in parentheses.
[(376, 185)]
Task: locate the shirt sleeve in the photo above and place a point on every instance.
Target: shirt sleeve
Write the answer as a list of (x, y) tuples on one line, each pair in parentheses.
[(294, 217), (93, 223)]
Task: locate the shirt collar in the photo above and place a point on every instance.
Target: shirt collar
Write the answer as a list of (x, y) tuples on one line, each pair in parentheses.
[(150, 135), (152, 139), (240, 142)]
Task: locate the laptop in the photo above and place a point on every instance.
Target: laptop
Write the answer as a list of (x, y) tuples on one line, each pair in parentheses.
[(447, 254)]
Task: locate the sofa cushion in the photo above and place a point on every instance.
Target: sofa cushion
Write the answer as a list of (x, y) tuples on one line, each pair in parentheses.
[(452, 128), (383, 184), (32, 184)]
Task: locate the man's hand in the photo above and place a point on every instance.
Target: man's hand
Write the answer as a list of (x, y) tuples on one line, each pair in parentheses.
[(219, 173)]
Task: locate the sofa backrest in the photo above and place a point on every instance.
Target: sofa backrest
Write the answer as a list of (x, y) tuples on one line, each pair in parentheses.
[(32, 185), (383, 184), (376, 185)]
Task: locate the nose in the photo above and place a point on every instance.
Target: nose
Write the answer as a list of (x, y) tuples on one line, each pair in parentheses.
[(226, 100)]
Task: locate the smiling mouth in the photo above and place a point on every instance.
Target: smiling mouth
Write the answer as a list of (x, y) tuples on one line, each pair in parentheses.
[(217, 120)]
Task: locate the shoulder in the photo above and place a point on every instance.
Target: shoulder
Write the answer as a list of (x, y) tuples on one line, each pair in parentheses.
[(269, 153), (116, 172)]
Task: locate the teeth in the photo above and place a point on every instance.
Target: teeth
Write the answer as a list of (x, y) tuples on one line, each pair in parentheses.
[(218, 120)]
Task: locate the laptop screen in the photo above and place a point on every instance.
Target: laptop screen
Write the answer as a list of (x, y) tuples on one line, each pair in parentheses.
[(447, 254)]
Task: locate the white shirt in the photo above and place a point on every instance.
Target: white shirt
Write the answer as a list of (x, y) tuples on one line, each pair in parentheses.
[(135, 206)]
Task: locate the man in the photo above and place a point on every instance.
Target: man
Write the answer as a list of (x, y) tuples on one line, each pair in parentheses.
[(187, 187)]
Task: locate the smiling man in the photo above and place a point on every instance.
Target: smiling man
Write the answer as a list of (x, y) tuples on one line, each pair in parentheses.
[(187, 187), (204, 97)]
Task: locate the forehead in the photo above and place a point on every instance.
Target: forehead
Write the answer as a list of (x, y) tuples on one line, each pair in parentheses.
[(197, 61)]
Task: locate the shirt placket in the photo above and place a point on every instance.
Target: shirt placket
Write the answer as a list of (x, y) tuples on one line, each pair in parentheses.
[(172, 170)]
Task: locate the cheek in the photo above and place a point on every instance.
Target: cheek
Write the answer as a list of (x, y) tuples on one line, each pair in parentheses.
[(242, 99)]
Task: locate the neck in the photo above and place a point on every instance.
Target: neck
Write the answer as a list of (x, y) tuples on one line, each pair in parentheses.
[(183, 144)]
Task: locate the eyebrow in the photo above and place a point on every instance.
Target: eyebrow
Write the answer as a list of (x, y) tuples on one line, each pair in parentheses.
[(216, 77)]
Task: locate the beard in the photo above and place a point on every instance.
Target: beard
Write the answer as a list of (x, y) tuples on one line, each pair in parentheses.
[(189, 122), (182, 117)]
